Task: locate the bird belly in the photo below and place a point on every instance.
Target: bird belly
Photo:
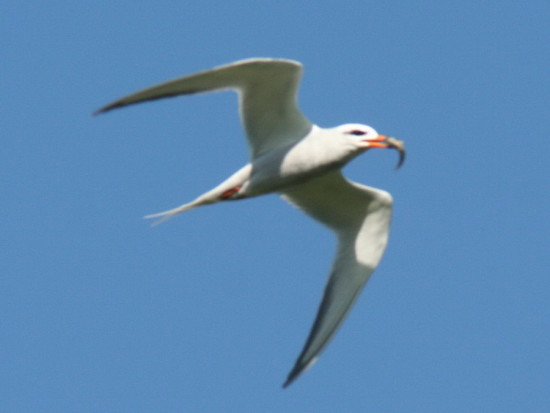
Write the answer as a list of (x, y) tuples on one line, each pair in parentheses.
[(286, 168)]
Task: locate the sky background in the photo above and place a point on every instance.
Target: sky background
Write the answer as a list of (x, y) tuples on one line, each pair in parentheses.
[(99, 312)]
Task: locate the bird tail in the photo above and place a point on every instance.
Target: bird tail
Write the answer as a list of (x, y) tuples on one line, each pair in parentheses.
[(222, 192), (161, 217)]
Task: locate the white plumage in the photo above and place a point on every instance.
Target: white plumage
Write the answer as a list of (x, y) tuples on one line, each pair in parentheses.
[(301, 161)]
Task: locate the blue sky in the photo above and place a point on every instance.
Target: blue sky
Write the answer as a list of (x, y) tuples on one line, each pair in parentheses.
[(102, 313)]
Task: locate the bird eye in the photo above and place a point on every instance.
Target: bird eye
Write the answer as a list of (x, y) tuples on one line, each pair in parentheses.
[(357, 132)]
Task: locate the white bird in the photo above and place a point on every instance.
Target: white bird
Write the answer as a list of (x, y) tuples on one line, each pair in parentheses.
[(301, 161)]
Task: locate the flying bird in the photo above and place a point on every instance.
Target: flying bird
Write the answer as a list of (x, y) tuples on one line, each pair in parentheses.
[(302, 162)]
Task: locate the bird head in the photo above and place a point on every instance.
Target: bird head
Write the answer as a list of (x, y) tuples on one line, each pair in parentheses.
[(364, 137)]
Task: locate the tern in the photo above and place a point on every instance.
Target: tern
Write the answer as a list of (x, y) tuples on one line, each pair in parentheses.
[(302, 162)]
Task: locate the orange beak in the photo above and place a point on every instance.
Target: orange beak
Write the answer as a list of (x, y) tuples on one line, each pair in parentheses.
[(384, 142), (379, 142)]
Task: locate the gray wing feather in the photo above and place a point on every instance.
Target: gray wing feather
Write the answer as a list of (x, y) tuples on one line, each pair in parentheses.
[(360, 216), (267, 91)]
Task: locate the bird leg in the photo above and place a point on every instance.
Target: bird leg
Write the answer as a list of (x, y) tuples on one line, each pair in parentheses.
[(230, 192)]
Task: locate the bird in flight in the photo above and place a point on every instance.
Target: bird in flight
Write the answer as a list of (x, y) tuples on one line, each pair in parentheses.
[(302, 162)]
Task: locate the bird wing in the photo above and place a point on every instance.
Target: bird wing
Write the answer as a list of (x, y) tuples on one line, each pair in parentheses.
[(360, 216), (267, 91)]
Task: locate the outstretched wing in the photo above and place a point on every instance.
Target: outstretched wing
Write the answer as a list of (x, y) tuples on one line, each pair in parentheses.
[(360, 216), (267, 91)]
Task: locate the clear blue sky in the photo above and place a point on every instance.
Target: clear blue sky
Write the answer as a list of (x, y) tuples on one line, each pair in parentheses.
[(99, 312)]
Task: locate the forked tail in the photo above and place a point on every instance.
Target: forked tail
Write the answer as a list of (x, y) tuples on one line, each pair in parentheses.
[(227, 190), (161, 217)]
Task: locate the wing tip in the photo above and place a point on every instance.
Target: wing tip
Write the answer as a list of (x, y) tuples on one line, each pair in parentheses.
[(293, 375), (132, 99), (107, 108), (299, 368), (286, 383)]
